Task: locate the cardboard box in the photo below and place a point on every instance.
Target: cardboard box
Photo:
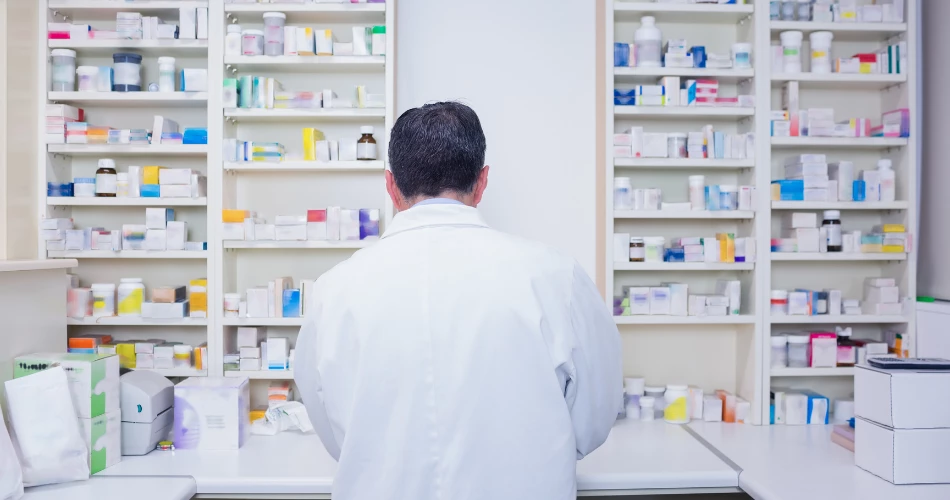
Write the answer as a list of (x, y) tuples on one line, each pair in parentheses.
[(901, 456), (103, 435), (93, 378), (902, 399), (211, 413)]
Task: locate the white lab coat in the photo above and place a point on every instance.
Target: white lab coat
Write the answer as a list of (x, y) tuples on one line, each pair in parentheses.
[(452, 361)]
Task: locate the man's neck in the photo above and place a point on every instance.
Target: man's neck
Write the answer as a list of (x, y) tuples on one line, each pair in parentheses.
[(446, 198)]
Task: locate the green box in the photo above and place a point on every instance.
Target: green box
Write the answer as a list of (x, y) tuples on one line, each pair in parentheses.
[(103, 436), (93, 378)]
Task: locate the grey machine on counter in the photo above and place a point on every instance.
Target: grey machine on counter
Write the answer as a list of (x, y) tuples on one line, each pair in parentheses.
[(146, 399)]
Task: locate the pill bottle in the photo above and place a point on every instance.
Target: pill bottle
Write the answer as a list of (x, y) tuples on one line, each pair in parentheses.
[(122, 185), (274, 33), (623, 194), (88, 78), (742, 55), (887, 177), (632, 405), (728, 197), (779, 351), (847, 348), (820, 42), (798, 351), (803, 10), (103, 299), (634, 385), (648, 43), (832, 226), (791, 51), (131, 295), (106, 179), (166, 74), (676, 409), (63, 70), (647, 407), (697, 192), (638, 250), (182, 355), (232, 41), (676, 145), (789, 7), (252, 42), (232, 304), (779, 303), (128, 72), (366, 146)]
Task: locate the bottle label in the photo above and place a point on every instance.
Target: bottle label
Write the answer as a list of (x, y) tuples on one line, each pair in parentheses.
[(638, 253), (834, 235), (365, 151), (105, 183)]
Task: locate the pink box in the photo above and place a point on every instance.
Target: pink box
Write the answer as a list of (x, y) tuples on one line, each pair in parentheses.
[(824, 350), (896, 123)]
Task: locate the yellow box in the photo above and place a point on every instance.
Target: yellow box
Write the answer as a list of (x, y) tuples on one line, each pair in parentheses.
[(872, 248), (150, 174), (200, 353), (360, 96), (893, 228), (727, 247), (310, 138), (126, 354), (892, 248), (257, 414), (198, 298), (234, 215), (775, 190)]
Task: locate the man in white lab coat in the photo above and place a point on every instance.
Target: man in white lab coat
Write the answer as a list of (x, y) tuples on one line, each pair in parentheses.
[(449, 360)]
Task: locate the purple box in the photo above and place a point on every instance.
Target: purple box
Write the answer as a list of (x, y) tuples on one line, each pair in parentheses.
[(212, 413), (896, 123), (369, 223)]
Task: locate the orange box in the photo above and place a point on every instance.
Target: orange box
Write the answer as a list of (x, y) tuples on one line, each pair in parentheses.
[(234, 215), (88, 342), (728, 405)]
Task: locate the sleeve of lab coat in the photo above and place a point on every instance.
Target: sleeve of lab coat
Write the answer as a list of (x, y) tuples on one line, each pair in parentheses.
[(594, 390), (307, 377)]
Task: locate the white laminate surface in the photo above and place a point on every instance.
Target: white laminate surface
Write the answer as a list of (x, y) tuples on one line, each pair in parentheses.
[(637, 456), (117, 488), (36, 265), (784, 462)]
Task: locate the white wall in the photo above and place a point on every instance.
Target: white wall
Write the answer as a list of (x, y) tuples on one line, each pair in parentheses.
[(527, 67)]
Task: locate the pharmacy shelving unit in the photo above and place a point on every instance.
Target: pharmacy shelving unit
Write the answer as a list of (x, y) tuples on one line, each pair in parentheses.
[(63, 162), (733, 353), (713, 352), (851, 96), (293, 186)]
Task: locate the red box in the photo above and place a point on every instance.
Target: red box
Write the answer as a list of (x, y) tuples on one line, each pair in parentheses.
[(317, 215)]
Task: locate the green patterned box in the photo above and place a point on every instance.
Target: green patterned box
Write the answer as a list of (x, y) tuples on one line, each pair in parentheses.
[(93, 378), (103, 435)]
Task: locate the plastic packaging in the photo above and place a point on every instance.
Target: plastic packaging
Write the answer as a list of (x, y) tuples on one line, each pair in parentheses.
[(63, 70), (798, 351), (820, 42), (789, 7), (676, 409), (274, 33), (232, 41), (232, 304), (742, 55), (803, 10), (88, 78), (623, 194), (647, 407), (676, 145), (728, 197), (11, 482), (128, 72), (131, 296), (103, 299), (697, 192), (166, 74), (654, 248), (779, 351), (648, 42), (252, 42), (84, 187), (779, 303), (791, 51), (122, 185)]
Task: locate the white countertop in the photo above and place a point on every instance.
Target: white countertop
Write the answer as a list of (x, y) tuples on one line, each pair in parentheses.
[(785, 462), (637, 456), (117, 488), (36, 265)]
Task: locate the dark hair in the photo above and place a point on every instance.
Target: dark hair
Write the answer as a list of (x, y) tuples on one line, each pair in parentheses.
[(436, 148)]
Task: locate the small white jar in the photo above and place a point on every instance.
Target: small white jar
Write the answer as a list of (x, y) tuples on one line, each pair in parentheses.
[(131, 296), (647, 407), (779, 351), (623, 194), (232, 305), (676, 410), (166, 74), (232, 41), (103, 299), (252, 42)]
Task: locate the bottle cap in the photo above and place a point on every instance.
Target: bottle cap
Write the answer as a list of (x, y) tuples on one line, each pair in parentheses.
[(106, 163), (234, 28), (884, 163), (648, 20), (779, 341), (832, 214), (366, 129)]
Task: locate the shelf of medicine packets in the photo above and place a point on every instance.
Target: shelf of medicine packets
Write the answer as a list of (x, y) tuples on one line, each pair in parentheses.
[(307, 166), (683, 266), (261, 374), (839, 142), (314, 12), (95, 201), (262, 321), (129, 149), (842, 31), (124, 99), (307, 64), (834, 256), (721, 74), (127, 254), (277, 245), (86, 8), (105, 47), (683, 214), (743, 319), (135, 321), (682, 12), (664, 163), (840, 371), (840, 205), (837, 319), (843, 81), (326, 114), (176, 372), (682, 112)]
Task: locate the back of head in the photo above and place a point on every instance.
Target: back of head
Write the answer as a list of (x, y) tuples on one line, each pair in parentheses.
[(436, 149)]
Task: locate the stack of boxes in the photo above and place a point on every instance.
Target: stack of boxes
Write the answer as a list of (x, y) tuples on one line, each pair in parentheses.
[(94, 388), (635, 143), (279, 299), (329, 224), (673, 299), (58, 116), (671, 91), (801, 407), (167, 302), (882, 297), (809, 177), (820, 122), (258, 352)]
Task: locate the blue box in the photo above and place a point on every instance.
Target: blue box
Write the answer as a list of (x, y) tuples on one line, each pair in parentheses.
[(791, 189), (859, 190), (815, 399), (291, 299), (369, 223), (621, 55), (149, 191)]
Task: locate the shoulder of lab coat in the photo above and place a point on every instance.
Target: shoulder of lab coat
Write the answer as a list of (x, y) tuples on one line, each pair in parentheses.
[(595, 382)]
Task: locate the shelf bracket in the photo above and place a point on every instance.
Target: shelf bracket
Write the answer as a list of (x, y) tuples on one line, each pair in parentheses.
[(64, 16), (744, 19), (229, 16)]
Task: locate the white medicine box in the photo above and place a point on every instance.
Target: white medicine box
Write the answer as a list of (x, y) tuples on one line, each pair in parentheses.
[(902, 456), (211, 413), (903, 399)]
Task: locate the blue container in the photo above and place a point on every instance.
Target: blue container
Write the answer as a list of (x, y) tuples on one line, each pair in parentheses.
[(621, 55), (858, 190), (128, 72), (195, 136), (699, 56)]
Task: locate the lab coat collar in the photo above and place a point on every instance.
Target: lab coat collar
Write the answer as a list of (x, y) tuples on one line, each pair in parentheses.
[(435, 215)]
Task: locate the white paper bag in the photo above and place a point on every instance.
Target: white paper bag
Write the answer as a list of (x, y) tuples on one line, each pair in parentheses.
[(11, 481), (45, 429)]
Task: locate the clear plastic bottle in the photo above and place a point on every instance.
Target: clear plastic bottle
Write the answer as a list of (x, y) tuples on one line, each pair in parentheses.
[(623, 194), (888, 178), (649, 43), (232, 41), (274, 33), (166, 74), (63, 70)]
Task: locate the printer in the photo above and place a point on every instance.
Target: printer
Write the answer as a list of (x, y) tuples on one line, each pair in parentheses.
[(146, 400)]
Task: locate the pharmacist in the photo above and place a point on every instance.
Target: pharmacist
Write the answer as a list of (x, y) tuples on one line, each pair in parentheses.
[(449, 360)]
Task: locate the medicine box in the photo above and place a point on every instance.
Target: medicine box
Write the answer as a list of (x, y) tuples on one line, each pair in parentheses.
[(250, 336), (902, 399), (93, 378), (211, 413), (103, 436), (901, 456)]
